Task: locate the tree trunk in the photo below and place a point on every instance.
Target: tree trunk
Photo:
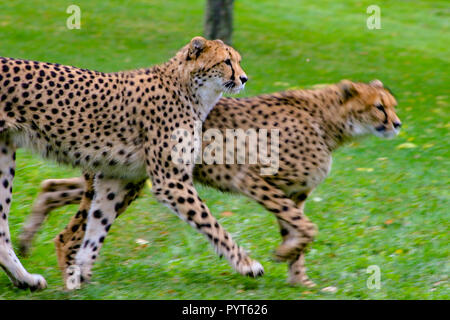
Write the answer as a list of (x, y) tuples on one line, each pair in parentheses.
[(219, 20)]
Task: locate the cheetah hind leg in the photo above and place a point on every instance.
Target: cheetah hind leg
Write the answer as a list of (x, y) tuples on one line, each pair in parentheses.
[(295, 254), (55, 193), (8, 259), (68, 241), (296, 229), (297, 272), (297, 268)]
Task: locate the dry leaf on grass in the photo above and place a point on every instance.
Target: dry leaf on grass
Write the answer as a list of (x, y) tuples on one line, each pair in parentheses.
[(364, 169), (142, 242), (330, 289), (406, 145)]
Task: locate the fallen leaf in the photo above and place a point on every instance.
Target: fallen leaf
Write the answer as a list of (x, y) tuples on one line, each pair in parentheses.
[(280, 83), (439, 283), (364, 169), (226, 214), (389, 221), (320, 85), (406, 145), (142, 242), (330, 289), (355, 144)]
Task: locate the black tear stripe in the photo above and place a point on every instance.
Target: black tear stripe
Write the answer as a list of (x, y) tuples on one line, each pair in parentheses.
[(232, 71), (385, 116), (384, 111)]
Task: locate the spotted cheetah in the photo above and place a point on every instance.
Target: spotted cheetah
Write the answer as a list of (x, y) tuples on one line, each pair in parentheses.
[(119, 128), (312, 124)]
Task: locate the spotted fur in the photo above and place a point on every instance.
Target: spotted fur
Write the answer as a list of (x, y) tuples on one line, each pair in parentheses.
[(119, 128)]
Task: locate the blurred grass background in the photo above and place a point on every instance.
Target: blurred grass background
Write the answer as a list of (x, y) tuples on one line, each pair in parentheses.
[(385, 203)]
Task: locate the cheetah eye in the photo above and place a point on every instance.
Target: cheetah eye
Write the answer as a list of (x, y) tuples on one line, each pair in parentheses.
[(380, 107), (228, 62)]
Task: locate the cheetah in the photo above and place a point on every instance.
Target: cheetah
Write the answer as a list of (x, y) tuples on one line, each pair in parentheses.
[(312, 124), (119, 128)]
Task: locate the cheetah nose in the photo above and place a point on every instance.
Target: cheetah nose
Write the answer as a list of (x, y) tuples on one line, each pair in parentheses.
[(243, 79), (397, 125)]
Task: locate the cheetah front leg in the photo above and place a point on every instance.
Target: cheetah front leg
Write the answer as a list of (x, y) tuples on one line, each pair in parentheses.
[(8, 259), (55, 193), (296, 229), (179, 194)]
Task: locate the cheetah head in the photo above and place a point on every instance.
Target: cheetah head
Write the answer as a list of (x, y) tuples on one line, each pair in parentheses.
[(214, 65), (371, 108)]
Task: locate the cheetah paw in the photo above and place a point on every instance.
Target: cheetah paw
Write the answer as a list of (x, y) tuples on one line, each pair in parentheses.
[(35, 282), (301, 281), (253, 269)]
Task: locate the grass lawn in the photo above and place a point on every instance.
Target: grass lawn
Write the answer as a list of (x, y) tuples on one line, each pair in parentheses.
[(386, 202)]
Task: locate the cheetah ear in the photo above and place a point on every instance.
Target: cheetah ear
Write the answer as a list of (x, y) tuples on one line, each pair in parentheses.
[(347, 89), (376, 83), (196, 47)]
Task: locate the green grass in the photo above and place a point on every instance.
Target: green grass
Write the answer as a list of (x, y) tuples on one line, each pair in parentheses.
[(382, 205)]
